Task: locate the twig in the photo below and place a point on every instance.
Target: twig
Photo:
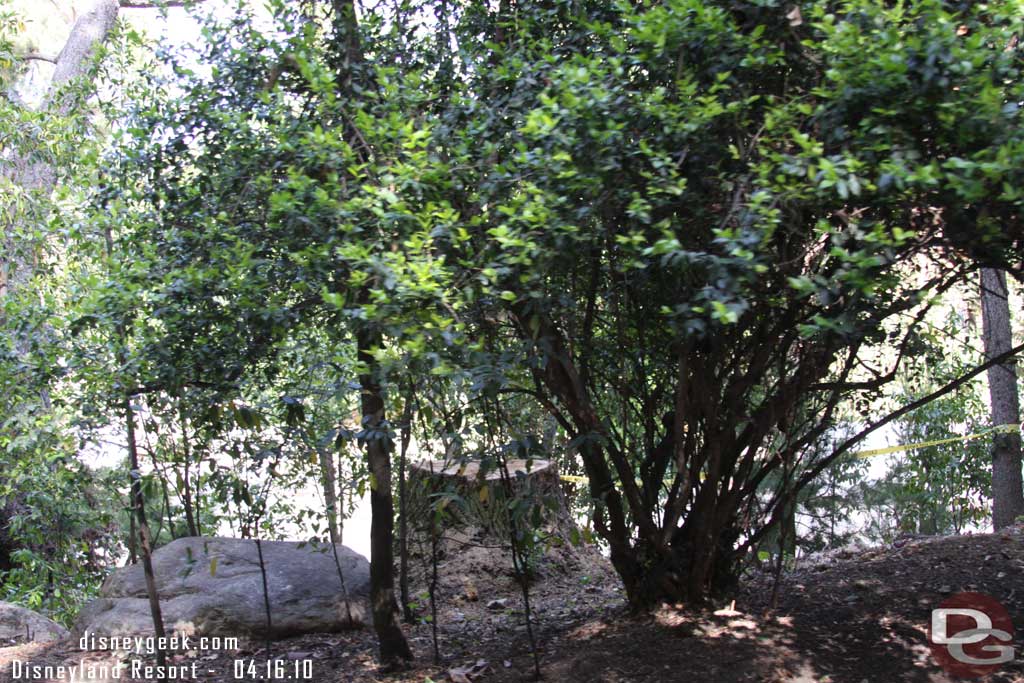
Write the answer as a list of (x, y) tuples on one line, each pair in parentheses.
[(266, 591)]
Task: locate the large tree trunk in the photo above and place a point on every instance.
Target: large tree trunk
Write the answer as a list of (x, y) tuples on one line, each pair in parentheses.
[(393, 646), (35, 175), (90, 29), (1007, 496)]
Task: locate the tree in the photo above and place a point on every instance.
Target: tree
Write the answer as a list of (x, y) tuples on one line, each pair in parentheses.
[(36, 150), (997, 335), (30, 175), (280, 217), (943, 488), (685, 231), (695, 224)]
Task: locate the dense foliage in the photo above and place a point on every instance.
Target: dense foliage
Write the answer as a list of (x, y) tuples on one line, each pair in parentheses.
[(678, 228), (671, 245)]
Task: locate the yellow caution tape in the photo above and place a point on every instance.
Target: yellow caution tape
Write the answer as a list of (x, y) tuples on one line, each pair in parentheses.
[(1007, 428)]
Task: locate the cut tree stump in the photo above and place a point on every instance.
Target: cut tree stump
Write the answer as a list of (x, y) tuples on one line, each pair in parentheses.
[(479, 501)]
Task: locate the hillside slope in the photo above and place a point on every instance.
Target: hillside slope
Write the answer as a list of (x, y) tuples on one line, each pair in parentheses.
[(849, 617)]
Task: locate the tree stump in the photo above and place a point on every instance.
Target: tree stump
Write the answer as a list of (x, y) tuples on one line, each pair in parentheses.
[(467, 547), (478, 499)]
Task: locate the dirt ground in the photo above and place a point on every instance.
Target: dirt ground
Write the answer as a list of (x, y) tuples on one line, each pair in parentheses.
[(857, 616)]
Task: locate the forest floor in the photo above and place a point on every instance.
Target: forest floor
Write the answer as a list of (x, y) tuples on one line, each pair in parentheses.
[(858, 616)]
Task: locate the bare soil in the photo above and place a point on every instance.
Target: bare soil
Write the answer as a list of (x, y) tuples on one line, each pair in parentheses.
[(858, 616)]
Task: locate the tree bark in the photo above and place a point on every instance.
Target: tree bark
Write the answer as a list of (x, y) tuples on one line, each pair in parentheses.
[(403, 510), (393, 646), (90, 30), (145, 536), (7, 546), (1007, 495), (328, 480), (191, 517)]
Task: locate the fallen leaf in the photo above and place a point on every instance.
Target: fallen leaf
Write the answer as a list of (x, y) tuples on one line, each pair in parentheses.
[(469, 590)]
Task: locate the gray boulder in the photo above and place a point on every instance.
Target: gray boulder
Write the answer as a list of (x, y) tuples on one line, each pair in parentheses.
[(213, 587), (21, 625)]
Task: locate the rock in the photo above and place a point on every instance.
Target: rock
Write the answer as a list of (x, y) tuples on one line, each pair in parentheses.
[(21, 625), (213, 586), (466, 674)]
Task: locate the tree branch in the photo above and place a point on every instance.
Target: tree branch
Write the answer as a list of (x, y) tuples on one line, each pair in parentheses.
[(38, 57), (813, 472), (914, 405), (157, 4)]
